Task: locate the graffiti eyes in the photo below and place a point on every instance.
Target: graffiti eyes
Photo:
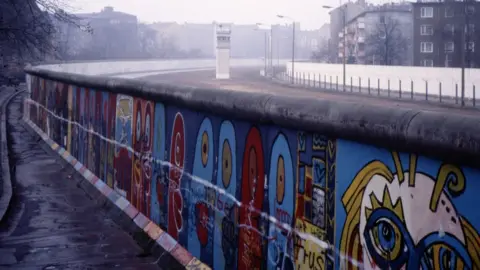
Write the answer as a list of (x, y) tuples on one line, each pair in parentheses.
[(385, 241), (226, 164), (280, 179), (147, 129), (204, 148), (138, 127), (177, 149)]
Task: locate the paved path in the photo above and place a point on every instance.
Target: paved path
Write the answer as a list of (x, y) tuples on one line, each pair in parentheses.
[(249, 80), (51, 223)]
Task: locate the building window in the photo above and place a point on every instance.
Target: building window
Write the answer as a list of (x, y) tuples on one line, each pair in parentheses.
[(426, 12), (448, 60), (449, 28), (470, 28), (449, 12), (449, 46), (471, 46), (426, 47), (426, 30), (469, 10), (427, 62)]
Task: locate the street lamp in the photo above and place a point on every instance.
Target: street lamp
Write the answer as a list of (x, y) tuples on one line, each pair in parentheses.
[(293, 44), (265, 57), (268, 47), (344, 56)]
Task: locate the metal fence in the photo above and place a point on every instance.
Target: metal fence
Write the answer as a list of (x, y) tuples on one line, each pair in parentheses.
[(425, 91)]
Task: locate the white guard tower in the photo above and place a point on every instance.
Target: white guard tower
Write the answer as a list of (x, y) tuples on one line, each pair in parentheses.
[(222, 50)]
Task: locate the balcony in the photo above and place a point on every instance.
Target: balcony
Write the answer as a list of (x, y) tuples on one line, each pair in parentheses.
[(361, 39), (361, 25)]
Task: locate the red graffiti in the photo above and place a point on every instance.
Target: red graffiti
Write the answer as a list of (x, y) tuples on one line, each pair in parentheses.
[(147, 148), (142, 144), (112, 107), (177, 159), (202, 224), (253, 177), (136, 195), (86, 124)]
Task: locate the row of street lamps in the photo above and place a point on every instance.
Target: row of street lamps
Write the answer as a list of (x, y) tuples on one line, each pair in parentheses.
[(271, 34), (293, 44)]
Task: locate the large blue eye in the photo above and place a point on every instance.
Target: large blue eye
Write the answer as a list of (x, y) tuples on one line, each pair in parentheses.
[(445, 253), (385, 237)]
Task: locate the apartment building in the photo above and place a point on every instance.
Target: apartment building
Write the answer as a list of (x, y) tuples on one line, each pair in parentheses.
[(375, 35), (444, 31), (338, 17)]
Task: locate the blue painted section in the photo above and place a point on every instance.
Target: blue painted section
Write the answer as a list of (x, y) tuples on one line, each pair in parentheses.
[(159, 180), (416, 196), (281, 187), (200, 241), (225, 242)]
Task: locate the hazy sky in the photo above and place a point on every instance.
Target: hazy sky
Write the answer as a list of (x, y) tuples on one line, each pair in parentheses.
[(309, 13)]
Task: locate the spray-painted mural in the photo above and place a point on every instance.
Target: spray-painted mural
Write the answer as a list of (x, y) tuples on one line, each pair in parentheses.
[(243, 196)]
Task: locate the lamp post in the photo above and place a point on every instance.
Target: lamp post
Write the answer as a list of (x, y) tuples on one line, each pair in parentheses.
[(344, 56), (268, 47), (293, 44)]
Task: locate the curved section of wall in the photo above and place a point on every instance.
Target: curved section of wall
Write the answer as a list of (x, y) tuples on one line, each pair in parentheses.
[(417, 79), (253, 181)]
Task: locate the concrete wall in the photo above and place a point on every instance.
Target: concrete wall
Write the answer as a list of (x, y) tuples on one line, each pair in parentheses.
[(448, 77), (247, 180), (117, 67)]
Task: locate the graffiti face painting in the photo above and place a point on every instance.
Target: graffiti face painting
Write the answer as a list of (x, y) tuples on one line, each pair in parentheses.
[(406, 219)]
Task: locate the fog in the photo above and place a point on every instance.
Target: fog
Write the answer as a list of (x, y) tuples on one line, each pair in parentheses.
[(309, 13)]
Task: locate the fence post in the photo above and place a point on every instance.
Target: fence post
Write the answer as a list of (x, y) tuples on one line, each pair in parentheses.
[(411, 89), (474, 96), (351, 84), (359, 85), (426, 90), (369, 86), (388, 85), (325, 81), (440, 91), (336, 83), (378, 86), (303, 75), (309, 79), (331, 85), (456, 93), (400, 88)]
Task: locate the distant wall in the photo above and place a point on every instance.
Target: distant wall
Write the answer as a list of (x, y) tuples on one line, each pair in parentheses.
[(116, 67), (419, 75), (246, 180)]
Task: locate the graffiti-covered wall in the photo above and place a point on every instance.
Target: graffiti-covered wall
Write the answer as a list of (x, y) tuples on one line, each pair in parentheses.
[(240, 195)]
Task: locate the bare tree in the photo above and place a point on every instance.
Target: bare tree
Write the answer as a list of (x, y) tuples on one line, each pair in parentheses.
[(322, 54), (27, 30), (386, 45)]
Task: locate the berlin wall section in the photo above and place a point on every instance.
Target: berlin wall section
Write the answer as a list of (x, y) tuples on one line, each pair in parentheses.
[(244, 194)]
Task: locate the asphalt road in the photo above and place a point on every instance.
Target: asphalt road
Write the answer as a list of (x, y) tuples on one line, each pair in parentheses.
[(250, 80), (51, 223)]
